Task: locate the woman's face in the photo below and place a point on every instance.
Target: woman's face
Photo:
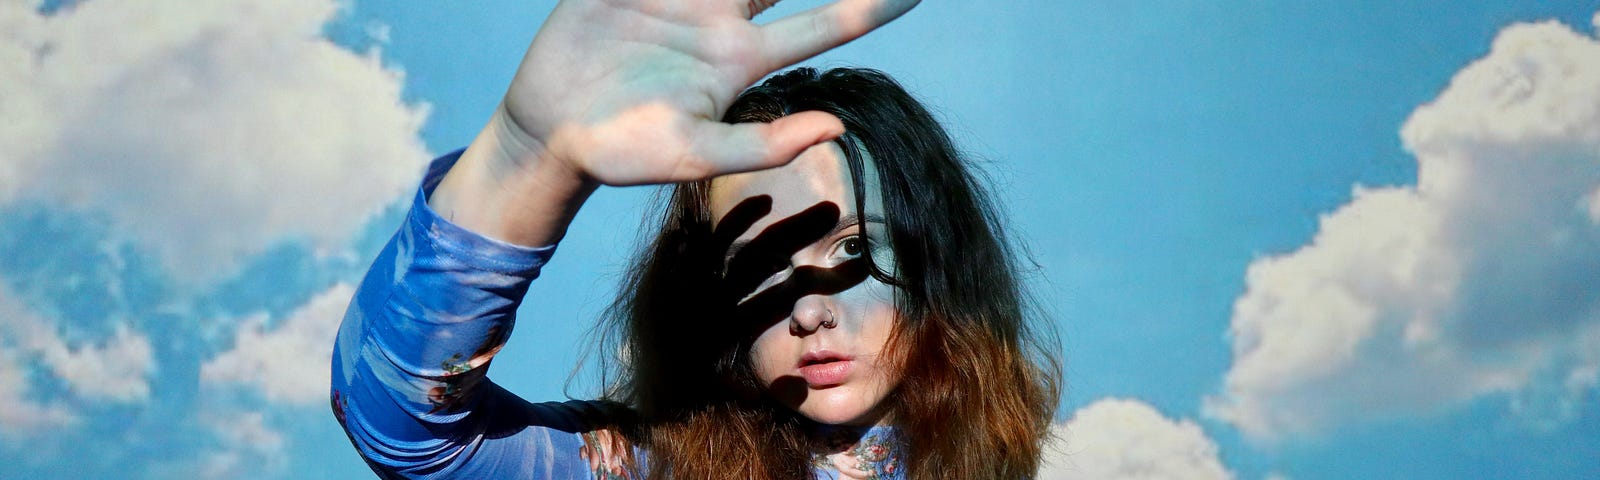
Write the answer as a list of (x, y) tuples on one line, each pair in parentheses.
[(796, 267)]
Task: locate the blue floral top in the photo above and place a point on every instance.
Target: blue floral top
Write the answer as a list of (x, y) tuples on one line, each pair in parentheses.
[(409, 367)]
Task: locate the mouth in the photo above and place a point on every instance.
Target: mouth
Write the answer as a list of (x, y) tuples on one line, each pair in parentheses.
[(823, 368)]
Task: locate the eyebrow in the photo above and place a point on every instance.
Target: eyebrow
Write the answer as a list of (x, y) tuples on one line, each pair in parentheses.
[(846, 221)]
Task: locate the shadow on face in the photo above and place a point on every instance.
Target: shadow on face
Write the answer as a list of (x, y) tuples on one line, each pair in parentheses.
[(750, 264)]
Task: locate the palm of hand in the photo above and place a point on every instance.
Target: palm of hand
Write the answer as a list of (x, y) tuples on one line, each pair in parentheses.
[(630, 91)]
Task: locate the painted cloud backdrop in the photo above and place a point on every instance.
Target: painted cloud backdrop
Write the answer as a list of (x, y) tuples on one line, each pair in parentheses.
[(1482, 279), (1260, 271)]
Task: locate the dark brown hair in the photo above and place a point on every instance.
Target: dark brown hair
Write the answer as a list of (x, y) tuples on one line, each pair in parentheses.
[(980, 374)]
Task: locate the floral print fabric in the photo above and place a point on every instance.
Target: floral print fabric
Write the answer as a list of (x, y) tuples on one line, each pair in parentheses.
[(860, 454)]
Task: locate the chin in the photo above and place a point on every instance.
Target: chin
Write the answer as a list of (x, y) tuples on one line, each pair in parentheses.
[(833, 418), (840, 408)]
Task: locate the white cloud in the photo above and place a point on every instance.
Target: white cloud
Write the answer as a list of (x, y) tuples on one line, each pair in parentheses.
[(248, 447), (117, 369), (206, 130), (20, 416), (1480, 280), (291, 362), (1115, 439)]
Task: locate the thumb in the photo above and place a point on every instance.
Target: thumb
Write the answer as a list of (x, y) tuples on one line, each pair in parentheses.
[(743, 147)]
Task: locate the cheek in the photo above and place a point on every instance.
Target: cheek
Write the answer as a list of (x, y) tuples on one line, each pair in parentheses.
[(769, 355), (872, 313), (873, 318), (869, 315)]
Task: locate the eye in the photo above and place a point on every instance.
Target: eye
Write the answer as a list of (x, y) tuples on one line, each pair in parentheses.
[(850, 247)]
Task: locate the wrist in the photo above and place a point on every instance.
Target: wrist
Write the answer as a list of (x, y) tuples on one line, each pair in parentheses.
[(509, 186)]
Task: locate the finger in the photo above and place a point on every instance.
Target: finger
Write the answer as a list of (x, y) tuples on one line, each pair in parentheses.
[(739, 220), (804, 35), (779, 241), (742, 147), (776, 303), (755, 7)]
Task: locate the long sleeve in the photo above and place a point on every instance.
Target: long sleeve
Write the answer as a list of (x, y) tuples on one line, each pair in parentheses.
[(409, 363)]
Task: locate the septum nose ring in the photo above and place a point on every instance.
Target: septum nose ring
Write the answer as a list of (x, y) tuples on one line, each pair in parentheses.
[(830, 323)]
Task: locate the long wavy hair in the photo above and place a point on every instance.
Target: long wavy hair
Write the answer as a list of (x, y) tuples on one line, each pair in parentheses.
[(979, 369)]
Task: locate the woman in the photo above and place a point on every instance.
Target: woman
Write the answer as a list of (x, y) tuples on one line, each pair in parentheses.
[(829, 296)]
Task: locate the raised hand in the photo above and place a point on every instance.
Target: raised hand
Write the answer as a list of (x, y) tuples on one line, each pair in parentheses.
[(626, 92), (630, 91)]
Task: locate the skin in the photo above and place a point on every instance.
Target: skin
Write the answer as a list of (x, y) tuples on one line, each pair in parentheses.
[(861, 308), (628, 92)]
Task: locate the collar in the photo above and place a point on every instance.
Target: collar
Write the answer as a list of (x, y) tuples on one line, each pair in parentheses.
[(857, 453)]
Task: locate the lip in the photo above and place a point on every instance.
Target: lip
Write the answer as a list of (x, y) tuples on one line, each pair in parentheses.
[(823, 368)]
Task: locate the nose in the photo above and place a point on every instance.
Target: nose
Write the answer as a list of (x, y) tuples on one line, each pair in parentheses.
[(811, 313)]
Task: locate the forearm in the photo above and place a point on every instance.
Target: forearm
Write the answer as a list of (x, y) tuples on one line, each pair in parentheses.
[(411, 356)]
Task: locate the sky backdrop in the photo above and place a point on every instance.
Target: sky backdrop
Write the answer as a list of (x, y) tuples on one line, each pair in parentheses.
[(1288, 240)]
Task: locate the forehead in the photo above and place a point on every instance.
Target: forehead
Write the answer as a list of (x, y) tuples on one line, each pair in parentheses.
[(820, 174)]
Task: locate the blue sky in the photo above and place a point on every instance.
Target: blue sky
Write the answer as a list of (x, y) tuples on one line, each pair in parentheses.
[(1280, 239)]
